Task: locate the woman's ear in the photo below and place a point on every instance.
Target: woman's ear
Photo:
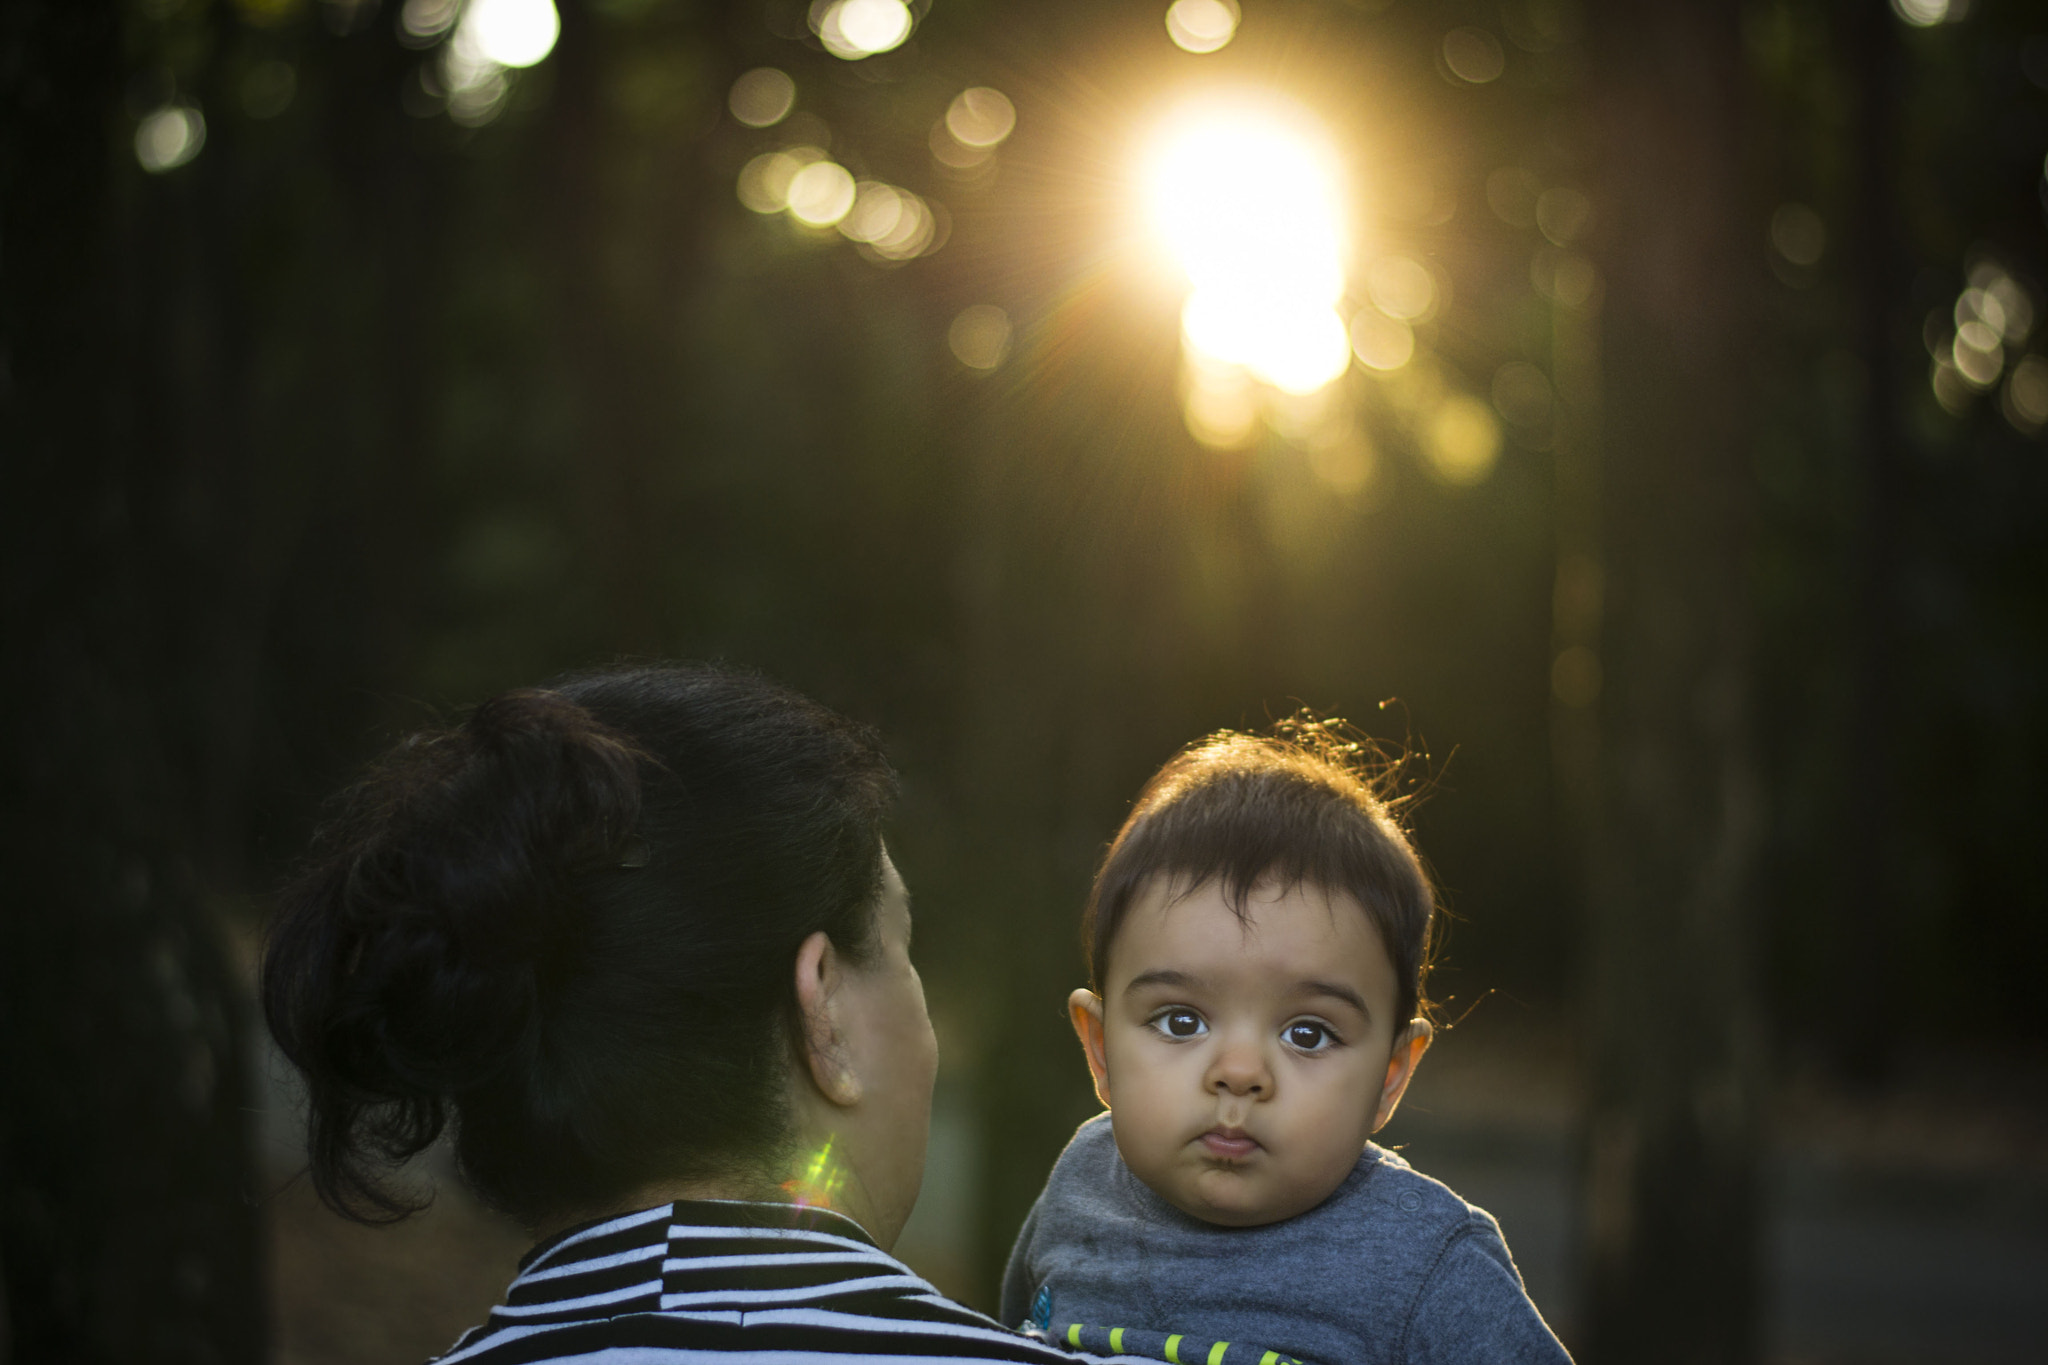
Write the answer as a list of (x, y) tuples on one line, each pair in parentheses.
[(1409, 1045), (823, 1044), (1084, 1008)]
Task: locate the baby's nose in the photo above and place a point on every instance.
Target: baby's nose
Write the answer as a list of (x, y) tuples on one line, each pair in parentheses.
[(1240, 1071)]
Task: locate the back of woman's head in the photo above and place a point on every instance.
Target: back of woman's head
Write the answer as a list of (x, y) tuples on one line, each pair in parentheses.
[(568, 925)]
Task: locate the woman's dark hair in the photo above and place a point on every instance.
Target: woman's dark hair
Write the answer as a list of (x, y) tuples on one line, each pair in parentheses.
[(569, 925), (1300, 805)]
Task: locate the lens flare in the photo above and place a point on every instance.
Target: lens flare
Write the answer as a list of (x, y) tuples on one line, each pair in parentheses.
[(819, 1182), (1249, 205)]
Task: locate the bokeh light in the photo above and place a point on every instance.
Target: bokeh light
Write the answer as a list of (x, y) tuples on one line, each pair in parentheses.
[(1202, 25), (1512, 192), (1401, 287), (1521, 394), (764, 181), (1563, 215), (1341, 457), (169, 137), (1380, 342), (1247, 201), (1798, 234), (1996, 298), (821, 194), (1565, 277), (2026, 395), (512, 33), (1219, 402), (1922, 13), (422, 22), (890, 223), (267, 88), (977, 121), (856, 29), (1461, 441), (955, 155), (980, 117), (980, 337), (1576, 676), (492, 38), (878, 210), (1969, 344), (1979, 353), (1473, 56), (762, 98)]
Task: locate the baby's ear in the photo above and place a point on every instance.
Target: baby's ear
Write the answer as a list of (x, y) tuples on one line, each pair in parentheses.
[(1409, 1045), (1084, 1008)]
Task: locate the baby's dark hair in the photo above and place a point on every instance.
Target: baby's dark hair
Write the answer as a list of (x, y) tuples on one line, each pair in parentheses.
[(1303, 804), (568, 926)]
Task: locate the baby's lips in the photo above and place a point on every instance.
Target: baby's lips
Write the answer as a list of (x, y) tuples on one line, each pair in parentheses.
[(1233, 1143)]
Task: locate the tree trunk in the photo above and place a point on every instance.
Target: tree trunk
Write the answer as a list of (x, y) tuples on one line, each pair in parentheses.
[(1671, 1138), (126, 1232), (1866, 913)]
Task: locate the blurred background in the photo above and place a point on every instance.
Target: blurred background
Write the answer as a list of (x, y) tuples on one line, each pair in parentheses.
[(1630, 409)]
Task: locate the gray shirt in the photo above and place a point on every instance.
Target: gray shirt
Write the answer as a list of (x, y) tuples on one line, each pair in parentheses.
[(1391, 1269)]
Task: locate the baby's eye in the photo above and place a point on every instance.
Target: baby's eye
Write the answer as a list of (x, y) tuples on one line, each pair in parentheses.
[(1180, 1023), (1306, 1036)]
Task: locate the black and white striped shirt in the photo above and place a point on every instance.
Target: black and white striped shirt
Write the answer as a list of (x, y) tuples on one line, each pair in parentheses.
[(704, 1281)]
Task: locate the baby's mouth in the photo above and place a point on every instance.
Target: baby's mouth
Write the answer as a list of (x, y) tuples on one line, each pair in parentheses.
[(1232, 1144)]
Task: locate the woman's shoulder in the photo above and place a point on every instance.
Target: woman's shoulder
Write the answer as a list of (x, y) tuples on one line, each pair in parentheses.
[(747, 1281)]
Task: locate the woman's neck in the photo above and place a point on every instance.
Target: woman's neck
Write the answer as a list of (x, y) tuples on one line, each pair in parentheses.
[(753, 1189)]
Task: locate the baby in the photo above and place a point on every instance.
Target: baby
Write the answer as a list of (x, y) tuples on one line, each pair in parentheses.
[(1258, 937)]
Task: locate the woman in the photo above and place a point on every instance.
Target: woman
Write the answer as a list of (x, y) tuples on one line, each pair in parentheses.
[(636, 940)]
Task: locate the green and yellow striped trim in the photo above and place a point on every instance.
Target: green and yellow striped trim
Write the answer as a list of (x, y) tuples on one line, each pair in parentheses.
[(1216, 1356)]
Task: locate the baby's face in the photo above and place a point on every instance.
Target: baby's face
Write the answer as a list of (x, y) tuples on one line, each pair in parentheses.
[(1246, 1063)]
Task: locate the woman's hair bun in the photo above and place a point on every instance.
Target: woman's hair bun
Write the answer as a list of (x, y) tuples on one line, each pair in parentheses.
[(566, 926), (413, 955)]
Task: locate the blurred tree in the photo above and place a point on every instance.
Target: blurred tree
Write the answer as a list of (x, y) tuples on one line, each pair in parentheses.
[(126, 1227), (1673, 1124)]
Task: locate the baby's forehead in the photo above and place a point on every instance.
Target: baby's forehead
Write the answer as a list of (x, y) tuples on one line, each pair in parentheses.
[(1271, 915), (1164, 892)]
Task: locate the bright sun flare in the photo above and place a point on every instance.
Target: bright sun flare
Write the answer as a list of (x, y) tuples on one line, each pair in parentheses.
[(1250, 206)]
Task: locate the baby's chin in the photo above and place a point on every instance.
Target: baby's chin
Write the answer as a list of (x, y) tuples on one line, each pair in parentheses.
[(1229, 1199)]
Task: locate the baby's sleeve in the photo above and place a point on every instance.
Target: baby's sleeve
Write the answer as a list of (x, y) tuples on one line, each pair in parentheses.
[(1473, 1309), (1017, 1285)]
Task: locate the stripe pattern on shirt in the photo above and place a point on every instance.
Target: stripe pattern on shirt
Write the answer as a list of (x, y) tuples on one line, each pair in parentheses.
[(713, 1281)]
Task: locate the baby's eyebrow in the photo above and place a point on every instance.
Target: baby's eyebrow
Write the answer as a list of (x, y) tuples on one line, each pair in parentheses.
[(1336, 991), (1161, 976)]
